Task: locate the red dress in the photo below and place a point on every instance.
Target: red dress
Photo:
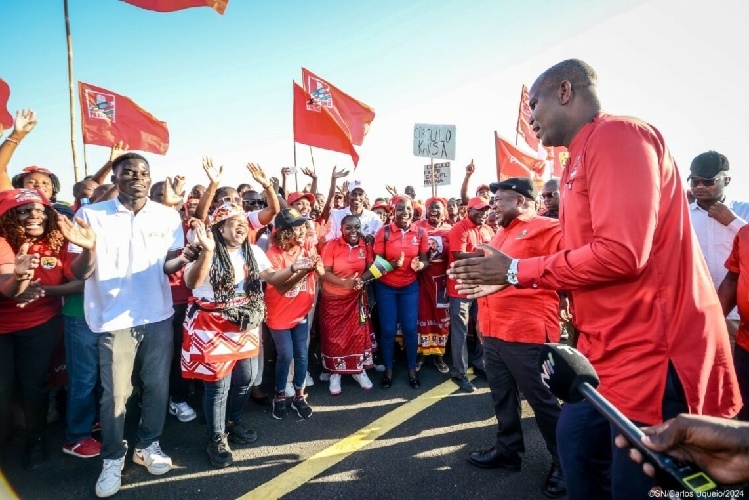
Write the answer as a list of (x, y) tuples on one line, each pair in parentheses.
[(434, 308)]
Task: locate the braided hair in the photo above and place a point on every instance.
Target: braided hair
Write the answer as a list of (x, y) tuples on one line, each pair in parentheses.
[(221, 276)]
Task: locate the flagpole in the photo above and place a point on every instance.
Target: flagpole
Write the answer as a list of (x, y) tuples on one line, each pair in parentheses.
[(85, 161), (520, 111), (296, 177), (434, 185), (313, 158), (70, 87)]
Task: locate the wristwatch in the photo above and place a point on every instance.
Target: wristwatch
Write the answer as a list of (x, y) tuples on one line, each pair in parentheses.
[(512, 272)]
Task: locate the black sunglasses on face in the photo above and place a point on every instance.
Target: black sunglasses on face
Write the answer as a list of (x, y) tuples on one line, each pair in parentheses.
[(696, 181), (254, 203), (548, 195)]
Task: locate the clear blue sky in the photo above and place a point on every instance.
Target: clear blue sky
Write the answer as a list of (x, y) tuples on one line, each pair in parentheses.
[(223, 83)]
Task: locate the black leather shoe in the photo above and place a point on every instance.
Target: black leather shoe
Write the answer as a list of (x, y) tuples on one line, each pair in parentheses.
[(555, 486), (386, 382), (479, 372), (414, 382), (35, 453), (492, 459)]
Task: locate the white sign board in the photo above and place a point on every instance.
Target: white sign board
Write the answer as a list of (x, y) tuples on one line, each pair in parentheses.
[(434, 141), (441, 174)]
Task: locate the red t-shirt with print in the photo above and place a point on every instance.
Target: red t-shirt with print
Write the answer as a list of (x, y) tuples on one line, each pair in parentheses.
[(288, 310)]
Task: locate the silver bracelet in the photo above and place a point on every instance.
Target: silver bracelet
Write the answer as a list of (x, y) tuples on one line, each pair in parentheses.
[(14, 141)]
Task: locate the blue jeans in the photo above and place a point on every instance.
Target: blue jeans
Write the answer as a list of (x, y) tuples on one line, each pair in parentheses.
[(398, 306), (82, 358), (291, 343), (593, 466), (228, 395)]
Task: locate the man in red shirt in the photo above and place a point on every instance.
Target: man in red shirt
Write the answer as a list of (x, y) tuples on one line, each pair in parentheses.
[(649, 318), (465, 237), (514, 324)]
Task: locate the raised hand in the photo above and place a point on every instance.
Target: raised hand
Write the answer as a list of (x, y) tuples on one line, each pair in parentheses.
[(171, 198), (286, 171), (25, 262), (391, 189), (470, 168), (34, 291), (214, 175), (79, 234), (25, 121), (309, 173), (178, 184), (338, 174), (344, 187), (204, 237), (118, 149), (259, 175)]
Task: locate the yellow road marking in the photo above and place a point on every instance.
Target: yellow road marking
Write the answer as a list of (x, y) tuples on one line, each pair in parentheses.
[(320, 462)]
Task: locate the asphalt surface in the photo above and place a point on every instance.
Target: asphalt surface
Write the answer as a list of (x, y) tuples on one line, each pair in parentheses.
[(425, 456)]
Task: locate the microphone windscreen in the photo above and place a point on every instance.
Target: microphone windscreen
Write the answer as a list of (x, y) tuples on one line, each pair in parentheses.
[(563, 369)]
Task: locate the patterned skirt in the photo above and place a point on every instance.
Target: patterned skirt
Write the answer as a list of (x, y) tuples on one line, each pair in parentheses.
[(211, 344), (346, 334)]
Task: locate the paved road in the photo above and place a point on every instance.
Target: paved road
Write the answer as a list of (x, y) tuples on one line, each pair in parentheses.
[(424, 438)]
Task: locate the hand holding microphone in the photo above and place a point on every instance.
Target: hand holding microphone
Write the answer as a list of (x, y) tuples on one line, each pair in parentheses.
[(570, 377)]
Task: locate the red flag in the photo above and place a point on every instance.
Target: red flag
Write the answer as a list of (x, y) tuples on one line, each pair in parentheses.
[(315, 125), (108, 118), (511, 162), (6, 119), (524, 120), (559, 155), (173, 5), (351, 115)]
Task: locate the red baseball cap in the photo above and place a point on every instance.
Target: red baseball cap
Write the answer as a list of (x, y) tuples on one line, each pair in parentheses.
[(13, 198), (297, 196), (483, 186), (478, 204), (380, 204)]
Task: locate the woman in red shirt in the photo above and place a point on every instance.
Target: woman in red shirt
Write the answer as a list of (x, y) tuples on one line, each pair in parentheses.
[(345, 329), (434, 311), (288, 307), (406, 247), (33, 257)]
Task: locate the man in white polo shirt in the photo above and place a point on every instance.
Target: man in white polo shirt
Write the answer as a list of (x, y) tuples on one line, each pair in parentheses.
[(127, 246), (370, 221)]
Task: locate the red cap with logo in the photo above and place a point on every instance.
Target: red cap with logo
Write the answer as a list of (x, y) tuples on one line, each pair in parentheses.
[(16, 197)]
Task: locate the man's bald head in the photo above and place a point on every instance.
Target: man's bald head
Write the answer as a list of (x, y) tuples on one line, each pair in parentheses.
[(579, 73)]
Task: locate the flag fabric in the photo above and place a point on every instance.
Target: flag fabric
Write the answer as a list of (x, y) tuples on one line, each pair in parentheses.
[(174, 5), (524, 120), (511, 162), (6, 119), (107, 118), (351, 115), (559, 157), (315, 125)]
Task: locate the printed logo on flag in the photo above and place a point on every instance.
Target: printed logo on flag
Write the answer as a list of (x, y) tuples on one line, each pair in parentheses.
[(320, 95), (100, 105)]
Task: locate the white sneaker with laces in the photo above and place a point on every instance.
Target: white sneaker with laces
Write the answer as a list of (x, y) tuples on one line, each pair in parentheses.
[(110, 479), (325, 377), (153, 459), (335, 384), (309, 381), (363, 380), (290, 392), (182, 411)]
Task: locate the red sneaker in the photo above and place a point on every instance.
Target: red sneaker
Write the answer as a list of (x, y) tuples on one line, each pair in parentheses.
[(85, 448)]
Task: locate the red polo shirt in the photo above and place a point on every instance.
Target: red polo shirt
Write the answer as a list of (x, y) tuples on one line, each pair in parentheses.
[(527, 315), (346, 261), (288, 310), (51, 271), (738, 262), (640, 290), (400, 240), (465, 236)]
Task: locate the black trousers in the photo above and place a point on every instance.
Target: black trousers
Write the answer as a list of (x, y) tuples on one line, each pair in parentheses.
[(178, 386), (512, 367), (24, 363)]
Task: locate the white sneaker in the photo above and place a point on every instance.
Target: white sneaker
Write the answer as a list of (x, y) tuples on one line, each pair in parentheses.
[(309, 381), (153, 459), (335, 384), (182, 411), (290, 392), (363, 380), (110, 479), (325, 377)]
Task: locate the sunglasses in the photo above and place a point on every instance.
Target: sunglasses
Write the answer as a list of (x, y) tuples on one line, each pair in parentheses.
[(254, 203), (229, 199), (548, 195), (696, 181)]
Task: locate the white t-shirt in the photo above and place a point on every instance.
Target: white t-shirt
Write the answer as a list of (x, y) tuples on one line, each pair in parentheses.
[(205, 290), (128, 287), (370, 222)]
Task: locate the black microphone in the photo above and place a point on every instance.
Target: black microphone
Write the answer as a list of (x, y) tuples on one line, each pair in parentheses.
[(570, 377)]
